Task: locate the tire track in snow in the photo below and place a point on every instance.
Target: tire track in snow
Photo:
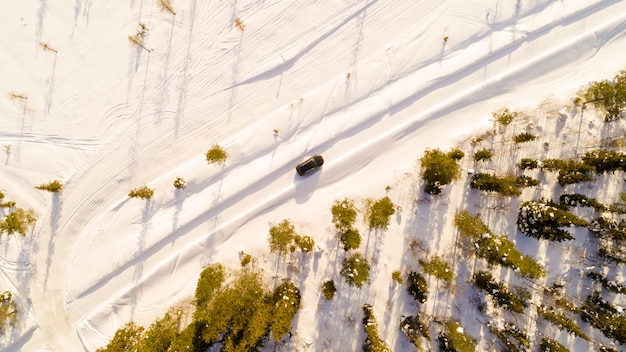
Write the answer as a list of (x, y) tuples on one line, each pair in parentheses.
[(400, 130)]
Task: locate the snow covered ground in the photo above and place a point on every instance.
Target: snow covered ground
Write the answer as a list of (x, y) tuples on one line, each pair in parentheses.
[(368, 84)]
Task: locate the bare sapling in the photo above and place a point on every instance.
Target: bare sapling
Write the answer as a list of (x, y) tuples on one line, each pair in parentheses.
[(239, 24), (165, 5), (47, 47), (137, 38)]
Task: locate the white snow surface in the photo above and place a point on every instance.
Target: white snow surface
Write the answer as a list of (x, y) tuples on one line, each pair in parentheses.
[(368, 84)]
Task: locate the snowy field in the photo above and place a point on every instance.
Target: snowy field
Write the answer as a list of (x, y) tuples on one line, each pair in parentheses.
[(368, 84)]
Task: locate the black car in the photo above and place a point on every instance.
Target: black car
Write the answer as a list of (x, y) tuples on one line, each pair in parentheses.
[(309, 164)]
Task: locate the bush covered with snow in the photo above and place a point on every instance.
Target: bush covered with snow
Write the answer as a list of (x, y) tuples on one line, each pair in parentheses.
[(545, 220), (454, 339), (356, 270), (605, 317), (439, 169), (501, 295), (575, 199), (415, 327), (438, 268), (373, 342), (417, 286)]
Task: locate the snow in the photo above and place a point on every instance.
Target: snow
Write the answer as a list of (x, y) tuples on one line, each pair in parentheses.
[(368, 84)]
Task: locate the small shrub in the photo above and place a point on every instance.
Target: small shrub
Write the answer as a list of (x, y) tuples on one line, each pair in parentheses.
[(524, 181), (165, 5), (126, 338), (608, 96), (528, 164), (281, 237), (142, 192), (305, 243), (608, 229), (498, 250), (550, 345), (397, 276), (503, 116), (373, 342), (573, 200), (438, 268), (216, 155), (9, 204), (211, 279), (344, 214), (610, 285), (53, 187), (570, 171), (179, 183), (286, 299), (1, 195), (379, 213), (604, 160), (502, 297), (561, 321), (439, 169), (470, 226), (8, 311), (456, 154), (351, 239), (506, 185), (356, 270), (483, 155), (17, 221), (414, 327), (544, 220), (454, 339), (239, 24), (246, 259), (417, 286), (605, 317), (329, 289), (524, 137)]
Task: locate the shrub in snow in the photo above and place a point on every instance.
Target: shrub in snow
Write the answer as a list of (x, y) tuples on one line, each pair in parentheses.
[(211, 279), (439, 169), (604, 160), (575, 199), (356, 270), (524, 137), (561, 321), (610, 285), (548, 344), (498, 250), (53, 187), (397, 276), (503, 116), (125, 339), (612, 253), (605, 317), (344, 214), (438, 268), (483, 155), (329, 289), (8, 311), (17, 221), (470, 226), (545, 219), (454, 339), (519, 340), (281, 237), (165, 5), (216, 155), (415, 327), (161, 334), (142, 192), (505, 185), (524, 181), (286, 299), (9, 204), (500, 294), (378, 213), (245, 260), (417, 286), (609, 96), (305, 243), (373, 342), (350, 238), (179, 183), (528, 164), (570, 171)]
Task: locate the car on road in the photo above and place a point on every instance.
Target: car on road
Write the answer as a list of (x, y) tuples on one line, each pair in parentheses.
[(309, 164)]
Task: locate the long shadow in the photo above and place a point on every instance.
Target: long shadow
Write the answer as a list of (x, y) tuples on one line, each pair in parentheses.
[(55, 217), (164, 84), (141, 244), (51, 81), (179, 196), (41, 15), (183, 87)]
